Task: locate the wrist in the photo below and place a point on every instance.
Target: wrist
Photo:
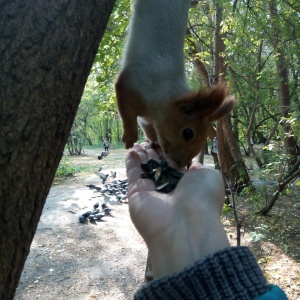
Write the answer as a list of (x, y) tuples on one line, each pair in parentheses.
[(172, 252)]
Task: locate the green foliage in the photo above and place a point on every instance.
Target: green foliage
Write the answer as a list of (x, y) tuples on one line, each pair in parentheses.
[(256, 236), (250, 56), (247, 35), (67, 169), (259, 233), (226, 209), (97, 116)]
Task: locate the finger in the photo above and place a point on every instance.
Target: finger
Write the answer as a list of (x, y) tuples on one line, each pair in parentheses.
[(134, 170), (150, 151), (133, 166), (141, 152), (156, 153), (196, 166)]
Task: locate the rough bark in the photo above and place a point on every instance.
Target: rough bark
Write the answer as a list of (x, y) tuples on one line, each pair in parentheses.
[(234, 168), (283, 71), (232, 163), (47, 49)]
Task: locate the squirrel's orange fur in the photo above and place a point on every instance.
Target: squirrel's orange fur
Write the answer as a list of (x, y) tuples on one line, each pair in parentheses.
[(151, 86)]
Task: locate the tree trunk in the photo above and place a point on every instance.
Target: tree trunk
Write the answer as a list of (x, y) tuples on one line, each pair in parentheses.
[(282, 70), (281, 187), (270, 136), (47, 49), (252, 116), (232, 163)]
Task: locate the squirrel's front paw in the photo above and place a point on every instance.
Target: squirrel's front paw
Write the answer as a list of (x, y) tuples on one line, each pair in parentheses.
[(129, 139)]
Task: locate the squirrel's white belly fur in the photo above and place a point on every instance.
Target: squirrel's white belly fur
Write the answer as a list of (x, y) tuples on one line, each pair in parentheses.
[(152, 84)]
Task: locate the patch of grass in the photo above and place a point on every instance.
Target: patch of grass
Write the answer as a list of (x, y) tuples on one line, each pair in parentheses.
[(88, 163), (67, 168)]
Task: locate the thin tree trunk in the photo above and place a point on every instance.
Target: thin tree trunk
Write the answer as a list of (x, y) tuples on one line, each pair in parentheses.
[(281, 187), (252, 116), (270, 136), (47, 49), (231, 160), (282, 70)]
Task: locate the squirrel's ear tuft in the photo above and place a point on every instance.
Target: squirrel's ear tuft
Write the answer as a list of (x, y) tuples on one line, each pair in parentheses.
[(207, 102), (226, 107)]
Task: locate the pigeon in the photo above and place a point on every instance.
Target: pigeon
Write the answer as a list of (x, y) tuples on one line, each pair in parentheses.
[(98, 216), (87, 214), (118, 196), (113, 174), (103, 154), (107, 210), (96, 205), (82, 219), (91, 186), (103, 176), (103, 205), (100, 168), (96, 211), (92, 218)]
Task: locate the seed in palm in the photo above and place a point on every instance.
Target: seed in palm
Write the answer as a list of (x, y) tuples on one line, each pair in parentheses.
[(164, 177)]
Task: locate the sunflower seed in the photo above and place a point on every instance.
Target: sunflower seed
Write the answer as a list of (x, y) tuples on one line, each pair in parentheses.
[(165, 177)]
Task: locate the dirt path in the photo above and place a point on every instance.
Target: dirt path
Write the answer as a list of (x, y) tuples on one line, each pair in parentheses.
[(106, 260), (69, 260)]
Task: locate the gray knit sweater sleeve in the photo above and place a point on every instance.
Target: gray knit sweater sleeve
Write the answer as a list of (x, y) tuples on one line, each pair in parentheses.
[(232, 273)]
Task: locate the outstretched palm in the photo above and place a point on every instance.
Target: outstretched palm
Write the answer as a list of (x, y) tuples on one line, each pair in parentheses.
[(181, 219)]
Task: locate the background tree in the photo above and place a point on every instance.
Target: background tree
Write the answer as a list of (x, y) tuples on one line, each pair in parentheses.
[(47, 50), (97, 116)]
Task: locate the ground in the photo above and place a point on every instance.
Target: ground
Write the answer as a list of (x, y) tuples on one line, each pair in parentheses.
[(106, 260)]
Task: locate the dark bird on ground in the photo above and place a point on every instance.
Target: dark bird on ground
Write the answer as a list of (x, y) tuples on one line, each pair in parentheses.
[(87, 214), (113, 174), (100, 168), (118, 196), (95, 211), (107, 210), (103, 154), (103, 176), (82, 219), (98, 216), (103, 205), (91, 186), (92, 218), (96, 205)]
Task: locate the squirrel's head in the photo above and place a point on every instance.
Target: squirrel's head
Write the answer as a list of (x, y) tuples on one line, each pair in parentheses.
[(183, 131)]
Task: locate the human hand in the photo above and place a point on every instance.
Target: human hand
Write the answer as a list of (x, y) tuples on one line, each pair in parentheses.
[(183, 226)]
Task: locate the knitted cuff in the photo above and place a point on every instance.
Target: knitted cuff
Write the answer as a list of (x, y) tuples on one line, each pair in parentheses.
[(232, 273)]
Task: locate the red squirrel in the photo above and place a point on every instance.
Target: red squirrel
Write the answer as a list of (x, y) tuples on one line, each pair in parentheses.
[(152, 89)]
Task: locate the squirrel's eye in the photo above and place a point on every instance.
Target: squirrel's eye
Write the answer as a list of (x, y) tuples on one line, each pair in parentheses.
[(187, 134)]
